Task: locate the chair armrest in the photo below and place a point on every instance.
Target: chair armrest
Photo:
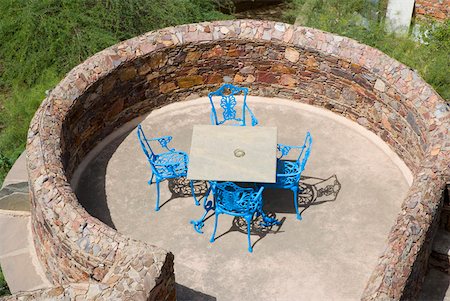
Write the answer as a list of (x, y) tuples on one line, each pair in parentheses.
[(163, 141), (285, 149), (259, 193)]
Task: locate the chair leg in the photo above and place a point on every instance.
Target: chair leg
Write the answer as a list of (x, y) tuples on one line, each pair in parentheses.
[(157, 196), (249, 221), (151, 179), (295, 191), (191, 183), (215, 227)]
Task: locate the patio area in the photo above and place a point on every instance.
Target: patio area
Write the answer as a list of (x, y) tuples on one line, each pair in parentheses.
[(354, 187)]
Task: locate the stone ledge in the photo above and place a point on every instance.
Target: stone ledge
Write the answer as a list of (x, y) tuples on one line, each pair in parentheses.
[(172, 64)]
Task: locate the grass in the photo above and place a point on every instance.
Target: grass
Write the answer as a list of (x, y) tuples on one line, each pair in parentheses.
[(363, 21), (4, 290), (42, 40)]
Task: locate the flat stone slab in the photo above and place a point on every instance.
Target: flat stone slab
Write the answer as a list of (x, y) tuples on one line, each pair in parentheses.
[(15, 197), (18, 258), (18, 172), (18, 271), (15, 201), (233, 153), (13, 234), (353, 186)]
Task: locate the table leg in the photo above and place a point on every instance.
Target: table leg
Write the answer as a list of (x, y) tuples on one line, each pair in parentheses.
[(208, 205)]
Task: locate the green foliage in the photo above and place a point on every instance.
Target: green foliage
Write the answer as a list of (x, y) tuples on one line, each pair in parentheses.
[(18, 109), (62, 33), (363, 21), (42, 40), (4, 290)]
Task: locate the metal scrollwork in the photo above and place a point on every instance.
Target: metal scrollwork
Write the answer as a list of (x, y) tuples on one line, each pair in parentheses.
[(228, 102), (289, 172), (168, 165)]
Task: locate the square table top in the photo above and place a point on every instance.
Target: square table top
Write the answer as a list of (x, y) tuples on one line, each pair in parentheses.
[(233, 153)]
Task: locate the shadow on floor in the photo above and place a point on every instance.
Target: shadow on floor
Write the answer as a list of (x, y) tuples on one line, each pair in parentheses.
[(94, 200), (186, 294), (313, 191), (240, 224), (180, 188)]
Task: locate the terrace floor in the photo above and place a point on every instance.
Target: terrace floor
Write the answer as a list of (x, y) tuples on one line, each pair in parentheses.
[(354, 186)]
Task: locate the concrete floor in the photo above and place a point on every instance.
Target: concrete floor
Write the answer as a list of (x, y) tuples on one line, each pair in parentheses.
[(329, 255)]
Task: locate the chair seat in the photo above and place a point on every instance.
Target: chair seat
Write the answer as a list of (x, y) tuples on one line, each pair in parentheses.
[(171, 164)]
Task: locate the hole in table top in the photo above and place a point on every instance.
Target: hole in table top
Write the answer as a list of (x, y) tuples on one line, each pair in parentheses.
[(239, 153)]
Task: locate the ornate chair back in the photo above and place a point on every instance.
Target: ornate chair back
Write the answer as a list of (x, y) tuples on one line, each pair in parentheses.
[(234, 199), (229, 105), (145, 145)]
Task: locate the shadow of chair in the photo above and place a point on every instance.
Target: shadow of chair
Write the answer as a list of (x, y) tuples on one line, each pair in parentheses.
[(312, 191)]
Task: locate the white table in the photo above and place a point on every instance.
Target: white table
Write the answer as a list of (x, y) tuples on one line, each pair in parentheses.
[(233, 153)]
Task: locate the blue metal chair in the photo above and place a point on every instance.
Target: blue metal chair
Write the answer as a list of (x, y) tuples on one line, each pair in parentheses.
[(228, 104), (289, 172), (236, 201), (167, 165)]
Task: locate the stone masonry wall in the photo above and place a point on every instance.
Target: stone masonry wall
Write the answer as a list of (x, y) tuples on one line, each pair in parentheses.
[(179, 63), (436, 9)]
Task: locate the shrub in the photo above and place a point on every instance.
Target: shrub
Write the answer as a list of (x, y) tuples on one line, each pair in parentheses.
[(363, 21), (42, 40)]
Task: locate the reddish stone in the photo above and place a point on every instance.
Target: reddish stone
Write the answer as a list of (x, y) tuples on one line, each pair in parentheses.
[(214, 78), (280, 68), (305, 73), (217, 51), (266, 77)]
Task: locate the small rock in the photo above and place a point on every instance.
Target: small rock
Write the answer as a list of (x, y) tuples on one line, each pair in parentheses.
[(238, 78), (224, 30), (380, 85), (250, 79), (291, 54)]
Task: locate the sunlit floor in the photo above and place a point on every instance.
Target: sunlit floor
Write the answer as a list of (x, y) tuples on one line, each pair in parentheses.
[(353, 183)]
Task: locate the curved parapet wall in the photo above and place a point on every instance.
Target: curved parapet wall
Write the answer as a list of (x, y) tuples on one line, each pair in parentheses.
[(178, 63)]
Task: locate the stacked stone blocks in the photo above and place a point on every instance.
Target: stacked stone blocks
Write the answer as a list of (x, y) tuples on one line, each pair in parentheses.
[(184, 62)]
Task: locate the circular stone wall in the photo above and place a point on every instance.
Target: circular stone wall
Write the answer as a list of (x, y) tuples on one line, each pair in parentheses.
[(184, 62)]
